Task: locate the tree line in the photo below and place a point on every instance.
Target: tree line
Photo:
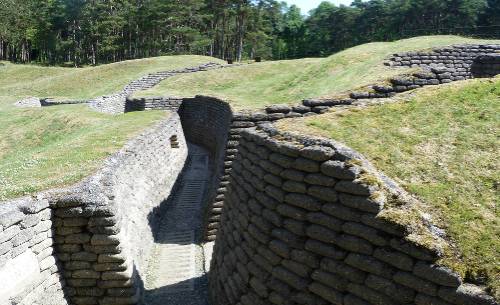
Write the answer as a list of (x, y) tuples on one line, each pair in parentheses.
[(83, 32)]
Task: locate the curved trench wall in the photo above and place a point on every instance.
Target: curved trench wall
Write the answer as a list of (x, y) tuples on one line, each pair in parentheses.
[(458, 60), (300, 226), (210, 122), (206, 122), (104, 228), (93, 239)]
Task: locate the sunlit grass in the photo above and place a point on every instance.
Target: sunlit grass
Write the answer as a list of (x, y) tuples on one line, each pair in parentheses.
[(56, 146), (20, 81), (289, 81)]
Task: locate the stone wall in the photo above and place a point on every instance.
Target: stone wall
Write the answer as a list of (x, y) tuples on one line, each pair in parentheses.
[(29, 269), (111, 104), (102, 228), (457, 59), (430, 75), (296, 219), (211, 122), (438, 66), (302, 225)]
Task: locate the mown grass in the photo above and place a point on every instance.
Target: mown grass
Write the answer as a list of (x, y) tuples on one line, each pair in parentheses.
[(20, 81), (442, 146), (289, 81), (57, 146)]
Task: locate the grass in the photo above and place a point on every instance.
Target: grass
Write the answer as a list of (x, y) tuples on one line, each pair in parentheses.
[(442, 145), (20, 81), (57, 146), (289, 81)]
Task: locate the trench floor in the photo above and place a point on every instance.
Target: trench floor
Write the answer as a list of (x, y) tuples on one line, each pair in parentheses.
[(177, 267)]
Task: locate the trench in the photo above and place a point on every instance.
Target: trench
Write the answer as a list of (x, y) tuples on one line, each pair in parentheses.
[(247, 268), (180, 260), (176, 272)]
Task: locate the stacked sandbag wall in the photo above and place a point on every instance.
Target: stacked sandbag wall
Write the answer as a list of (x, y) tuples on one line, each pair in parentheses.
[(93, 239), (302, 225), (458, 59)]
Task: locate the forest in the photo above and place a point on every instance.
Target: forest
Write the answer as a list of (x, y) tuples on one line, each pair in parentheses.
[(91, 32)]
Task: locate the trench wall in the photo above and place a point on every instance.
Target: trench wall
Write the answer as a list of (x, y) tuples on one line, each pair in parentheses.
[(300, 226), (92, 239), (206, 121), (458, 59), (486, 65), (153, 103), (201, 127), (102, 228), (212, 123), (29, 270)]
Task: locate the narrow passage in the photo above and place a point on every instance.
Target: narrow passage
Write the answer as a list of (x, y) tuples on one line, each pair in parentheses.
[(176, 274)]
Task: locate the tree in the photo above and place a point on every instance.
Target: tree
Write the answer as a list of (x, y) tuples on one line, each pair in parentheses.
[(294, 32), (80, 32)]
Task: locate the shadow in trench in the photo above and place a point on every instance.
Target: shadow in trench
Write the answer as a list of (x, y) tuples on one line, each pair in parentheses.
[(176, 268), (176, 294), (156, 216), (184, 207), (486, 66)]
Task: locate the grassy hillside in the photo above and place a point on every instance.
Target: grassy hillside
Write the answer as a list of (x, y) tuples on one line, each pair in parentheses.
[(19, 81), (35, 144), (55, 146), (290, 81), (442, 146)]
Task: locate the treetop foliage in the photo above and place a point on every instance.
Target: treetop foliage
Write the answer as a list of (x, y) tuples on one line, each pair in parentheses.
[(81, 32)]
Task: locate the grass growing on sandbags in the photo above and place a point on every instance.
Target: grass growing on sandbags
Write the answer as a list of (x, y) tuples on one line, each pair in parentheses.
[(442, 146)]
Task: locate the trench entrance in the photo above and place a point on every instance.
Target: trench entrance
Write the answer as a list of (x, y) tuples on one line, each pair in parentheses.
[(176, 273)]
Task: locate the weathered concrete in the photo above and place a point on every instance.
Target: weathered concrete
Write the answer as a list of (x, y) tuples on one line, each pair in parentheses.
[(18, 275)]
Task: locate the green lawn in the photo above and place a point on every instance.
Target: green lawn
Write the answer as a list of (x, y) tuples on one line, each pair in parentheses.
[(20, 81), (290, 81), (441, 145), (56, 146)]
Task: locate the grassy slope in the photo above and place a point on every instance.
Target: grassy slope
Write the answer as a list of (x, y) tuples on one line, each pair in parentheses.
[(440, 146), (55, 146), (443, 146), (19, 81), (289, 81)]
